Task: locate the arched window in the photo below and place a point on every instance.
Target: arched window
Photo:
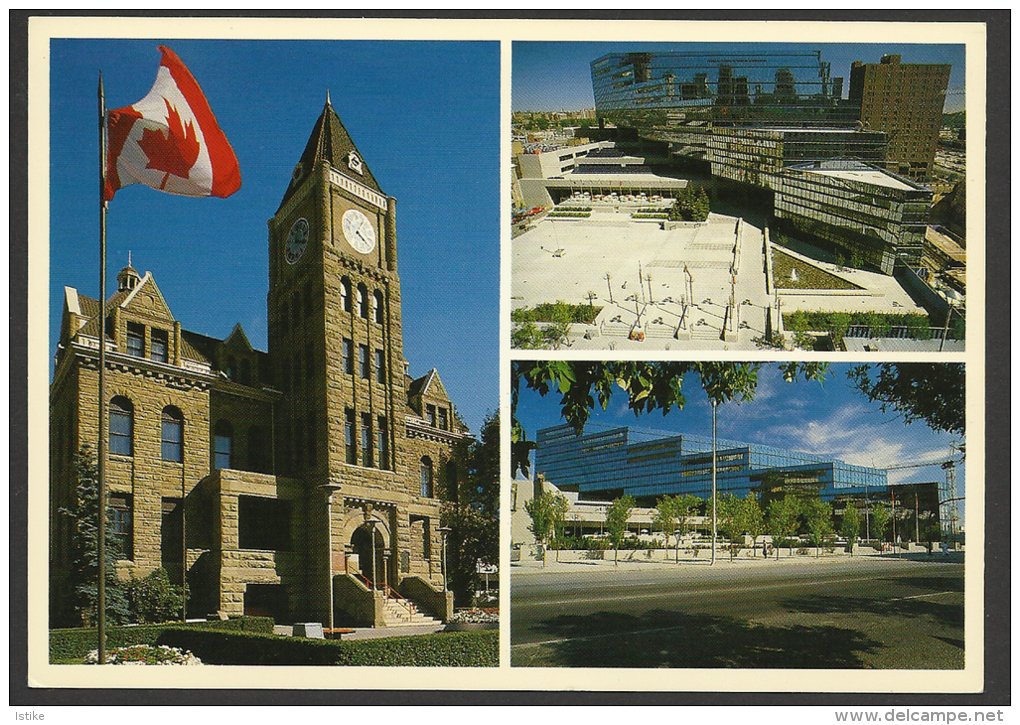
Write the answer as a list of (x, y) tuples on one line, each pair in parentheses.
[(172, 434), (426, 477), (363, 301), (345, 294), (380, 312), (122, 414), (223, 441)]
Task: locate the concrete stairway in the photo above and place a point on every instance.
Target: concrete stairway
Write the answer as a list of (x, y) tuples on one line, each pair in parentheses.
[(403, 613)]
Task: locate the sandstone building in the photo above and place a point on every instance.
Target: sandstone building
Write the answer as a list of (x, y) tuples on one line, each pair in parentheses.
[(302, 482)]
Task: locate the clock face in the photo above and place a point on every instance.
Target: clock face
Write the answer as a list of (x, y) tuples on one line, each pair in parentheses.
[(297, 241), (358, 231)]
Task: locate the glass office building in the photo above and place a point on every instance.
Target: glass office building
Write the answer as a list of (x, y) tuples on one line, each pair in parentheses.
[(863, 209), (606, 464), (669, 90)]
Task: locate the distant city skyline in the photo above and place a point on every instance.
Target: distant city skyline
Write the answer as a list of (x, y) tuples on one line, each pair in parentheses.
[(556, 76)]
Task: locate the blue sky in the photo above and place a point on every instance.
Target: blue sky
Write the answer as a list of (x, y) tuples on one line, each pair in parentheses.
[(425, 116), (829, 419), (552, 76)]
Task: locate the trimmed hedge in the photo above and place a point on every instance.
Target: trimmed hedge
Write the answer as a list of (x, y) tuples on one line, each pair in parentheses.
[(75, 643), (444, 649)]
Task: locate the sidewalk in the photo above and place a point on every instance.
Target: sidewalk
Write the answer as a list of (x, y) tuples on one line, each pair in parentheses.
[(529, 565)]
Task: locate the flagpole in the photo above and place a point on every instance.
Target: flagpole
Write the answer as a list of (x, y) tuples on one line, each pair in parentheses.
[(101, 447)]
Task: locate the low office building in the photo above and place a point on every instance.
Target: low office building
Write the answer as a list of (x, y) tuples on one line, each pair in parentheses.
[(606, 464), (758, 156), (555, 162), (582, 517), (866, 211), (593, 468)]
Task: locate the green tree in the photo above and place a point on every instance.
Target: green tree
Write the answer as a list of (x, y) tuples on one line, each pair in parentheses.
[(617, 514), (730, 520), (851, 526), (754, 520), (85, 547), (665, 516), (649, 386), (880, 518), (932, 392), (546, 511), (783, 519), (819, 520), (472, 512)]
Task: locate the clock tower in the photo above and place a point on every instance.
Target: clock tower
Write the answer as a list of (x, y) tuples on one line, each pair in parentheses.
[(335, 347)]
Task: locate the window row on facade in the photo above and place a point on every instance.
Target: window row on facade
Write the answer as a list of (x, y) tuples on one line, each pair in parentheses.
[(172, 441), (370, 364), (159, 342), (121, 423), (366, 444)]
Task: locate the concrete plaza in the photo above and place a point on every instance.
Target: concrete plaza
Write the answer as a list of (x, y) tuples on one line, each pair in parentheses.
[(677, 286)]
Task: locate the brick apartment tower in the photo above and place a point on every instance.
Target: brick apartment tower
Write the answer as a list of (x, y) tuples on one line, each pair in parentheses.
[(304, 483), (905, 100)]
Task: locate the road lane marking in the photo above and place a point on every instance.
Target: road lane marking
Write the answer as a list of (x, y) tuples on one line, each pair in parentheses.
[(921, 596), (650, 595), (596, 636)]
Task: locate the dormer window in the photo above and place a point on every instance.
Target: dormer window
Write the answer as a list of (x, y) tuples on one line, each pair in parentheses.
[(135, 339), (160, 346), (430, 415), (354, 162)]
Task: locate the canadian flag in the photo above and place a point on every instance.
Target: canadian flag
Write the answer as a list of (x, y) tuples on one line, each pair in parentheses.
[(170, 140)]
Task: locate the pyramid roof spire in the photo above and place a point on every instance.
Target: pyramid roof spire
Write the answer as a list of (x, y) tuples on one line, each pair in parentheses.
[(330, 142)]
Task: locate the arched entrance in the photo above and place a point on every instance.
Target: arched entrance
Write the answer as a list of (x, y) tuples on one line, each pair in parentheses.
[(372, 568)]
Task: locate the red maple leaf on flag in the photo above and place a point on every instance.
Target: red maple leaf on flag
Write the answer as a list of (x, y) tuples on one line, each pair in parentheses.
[(174, 153)]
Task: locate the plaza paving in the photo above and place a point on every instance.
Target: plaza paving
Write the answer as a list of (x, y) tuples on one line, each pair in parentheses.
[(692, 286)]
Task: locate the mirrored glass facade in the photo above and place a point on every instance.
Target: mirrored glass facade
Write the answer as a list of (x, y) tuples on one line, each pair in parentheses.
[(753, 88), (881, 216), (606, 464)]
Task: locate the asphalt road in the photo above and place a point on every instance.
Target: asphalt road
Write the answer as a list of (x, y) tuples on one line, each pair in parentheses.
[(865, 612)]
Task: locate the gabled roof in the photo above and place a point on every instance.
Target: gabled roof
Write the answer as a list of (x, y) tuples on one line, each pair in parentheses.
[(237, 339), (329, 142), (428, 384)]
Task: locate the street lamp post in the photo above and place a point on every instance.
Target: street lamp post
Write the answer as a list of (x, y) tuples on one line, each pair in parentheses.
[(677, 534), (715, 404), (444, 530)]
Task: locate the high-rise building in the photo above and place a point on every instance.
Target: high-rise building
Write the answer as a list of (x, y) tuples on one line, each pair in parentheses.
[(752, 88), (905, 100), (303, 482)]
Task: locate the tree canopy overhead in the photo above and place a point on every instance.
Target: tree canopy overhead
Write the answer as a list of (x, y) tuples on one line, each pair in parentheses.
[(932, 392)]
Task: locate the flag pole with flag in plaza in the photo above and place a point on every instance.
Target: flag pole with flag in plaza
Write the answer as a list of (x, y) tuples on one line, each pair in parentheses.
[(170, 141)]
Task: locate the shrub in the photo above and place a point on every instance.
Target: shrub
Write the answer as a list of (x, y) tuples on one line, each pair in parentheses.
[(75, 643), (446, 649), (155, 599)]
